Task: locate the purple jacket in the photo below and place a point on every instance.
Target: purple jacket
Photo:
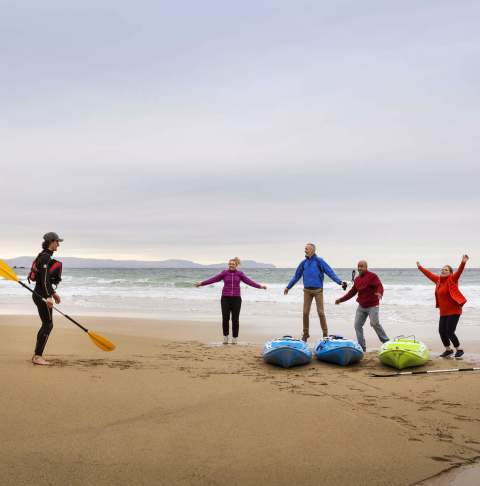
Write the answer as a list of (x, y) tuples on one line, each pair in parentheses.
[(231, 282)]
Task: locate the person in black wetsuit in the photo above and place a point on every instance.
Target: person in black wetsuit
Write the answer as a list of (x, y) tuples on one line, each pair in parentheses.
[(44, 281)]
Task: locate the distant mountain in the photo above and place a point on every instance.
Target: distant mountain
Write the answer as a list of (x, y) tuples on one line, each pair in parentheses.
[(72, 262), (245, 264)]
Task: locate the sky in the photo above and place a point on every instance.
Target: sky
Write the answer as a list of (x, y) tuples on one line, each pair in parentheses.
[(207, 130)]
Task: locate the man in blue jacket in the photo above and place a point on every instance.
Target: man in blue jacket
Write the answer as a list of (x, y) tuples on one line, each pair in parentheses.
[(312, 269)]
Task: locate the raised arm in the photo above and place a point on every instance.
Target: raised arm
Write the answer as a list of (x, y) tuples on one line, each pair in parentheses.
[(434, 278), (215, 278), (461, 267), (326, 268)]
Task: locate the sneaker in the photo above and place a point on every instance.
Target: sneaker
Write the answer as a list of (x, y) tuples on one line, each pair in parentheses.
[(225, 339), (39, 360), (234, 340), (459, 353), (447, 353)]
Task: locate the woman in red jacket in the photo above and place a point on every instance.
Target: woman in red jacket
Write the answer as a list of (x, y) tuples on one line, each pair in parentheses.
[(450, 301)]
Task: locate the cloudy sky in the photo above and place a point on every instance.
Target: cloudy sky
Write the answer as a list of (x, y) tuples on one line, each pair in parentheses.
[(209, 129)]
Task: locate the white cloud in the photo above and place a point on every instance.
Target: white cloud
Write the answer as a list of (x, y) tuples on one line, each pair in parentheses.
[(201, 130)]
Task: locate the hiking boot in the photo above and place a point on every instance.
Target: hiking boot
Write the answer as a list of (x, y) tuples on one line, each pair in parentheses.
[(225, 339), (459, 353), (234, 340), (447, 353), (39, 360)]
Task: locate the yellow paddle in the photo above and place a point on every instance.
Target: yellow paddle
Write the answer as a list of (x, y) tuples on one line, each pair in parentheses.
[(7, 272)]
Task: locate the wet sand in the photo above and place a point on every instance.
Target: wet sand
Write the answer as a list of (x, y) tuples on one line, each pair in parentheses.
[(461, 476), (167, 408)]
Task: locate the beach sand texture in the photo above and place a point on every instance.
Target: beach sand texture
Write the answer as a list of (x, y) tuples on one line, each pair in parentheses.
[(164, 412)]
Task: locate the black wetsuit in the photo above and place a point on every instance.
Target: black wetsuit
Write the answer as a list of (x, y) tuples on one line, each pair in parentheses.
[(43, 287)]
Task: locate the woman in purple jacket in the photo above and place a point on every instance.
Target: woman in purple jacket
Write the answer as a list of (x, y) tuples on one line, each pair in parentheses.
[(231, 300)]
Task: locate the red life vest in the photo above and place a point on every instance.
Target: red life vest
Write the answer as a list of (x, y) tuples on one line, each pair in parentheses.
[(54, 270)]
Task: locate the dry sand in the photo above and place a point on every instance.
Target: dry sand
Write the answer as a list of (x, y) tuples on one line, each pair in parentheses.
[(164, 410)]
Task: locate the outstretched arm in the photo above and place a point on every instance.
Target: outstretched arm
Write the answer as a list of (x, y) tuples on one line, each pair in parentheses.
[(353, 291), (296, 277), (461, 267), (434, 278), (249, 281), (211, 280), (326, 268)]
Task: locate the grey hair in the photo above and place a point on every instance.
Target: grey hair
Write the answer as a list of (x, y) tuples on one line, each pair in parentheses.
[(313, 246)]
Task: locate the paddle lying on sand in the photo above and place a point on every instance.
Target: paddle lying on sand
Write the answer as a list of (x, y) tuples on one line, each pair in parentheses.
[(420, 372), (7, 272)]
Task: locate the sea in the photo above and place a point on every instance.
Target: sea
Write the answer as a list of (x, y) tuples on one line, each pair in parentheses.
[(170, 294)]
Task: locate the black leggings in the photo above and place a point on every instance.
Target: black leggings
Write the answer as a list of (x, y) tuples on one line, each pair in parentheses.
[(47, 324), (231, 305), (446, 328)]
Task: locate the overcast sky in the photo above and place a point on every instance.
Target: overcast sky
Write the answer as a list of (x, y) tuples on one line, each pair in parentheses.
[(210, 129)]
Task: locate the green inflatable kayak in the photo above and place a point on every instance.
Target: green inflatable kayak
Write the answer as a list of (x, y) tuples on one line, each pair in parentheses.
[(403, 352)]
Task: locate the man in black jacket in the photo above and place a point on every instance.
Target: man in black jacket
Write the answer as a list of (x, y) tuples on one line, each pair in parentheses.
[(44, 290)]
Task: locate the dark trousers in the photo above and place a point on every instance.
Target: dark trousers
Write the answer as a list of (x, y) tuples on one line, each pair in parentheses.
[(231, 305), (47, 324), (446, 328)]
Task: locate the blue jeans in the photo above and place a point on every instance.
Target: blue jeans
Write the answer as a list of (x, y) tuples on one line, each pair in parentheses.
[(360, 318)]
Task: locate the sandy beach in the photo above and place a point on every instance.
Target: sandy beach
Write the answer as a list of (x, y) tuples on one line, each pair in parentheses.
[(168, 167), (170, 407)]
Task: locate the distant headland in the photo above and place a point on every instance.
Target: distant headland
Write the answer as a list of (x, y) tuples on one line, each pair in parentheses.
[(73, 262)]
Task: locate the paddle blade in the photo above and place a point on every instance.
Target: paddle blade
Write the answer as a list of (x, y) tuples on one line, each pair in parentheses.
[(7, 272), (101, 342)]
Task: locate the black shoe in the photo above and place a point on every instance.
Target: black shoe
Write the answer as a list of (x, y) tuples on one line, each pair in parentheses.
[(447, 353), (459, 353)]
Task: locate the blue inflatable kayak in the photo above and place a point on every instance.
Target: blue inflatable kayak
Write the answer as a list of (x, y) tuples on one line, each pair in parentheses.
[(339, 351), (286, 352)]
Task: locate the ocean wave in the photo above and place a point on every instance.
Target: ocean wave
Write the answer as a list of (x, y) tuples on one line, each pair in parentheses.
[(137, 288), (184, 285)]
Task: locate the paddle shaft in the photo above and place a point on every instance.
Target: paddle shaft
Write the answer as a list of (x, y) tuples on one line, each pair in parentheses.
[(424, 372), (53, 307)]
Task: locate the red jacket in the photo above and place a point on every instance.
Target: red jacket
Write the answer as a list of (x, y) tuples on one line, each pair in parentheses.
[(366, 285), (448, 297)]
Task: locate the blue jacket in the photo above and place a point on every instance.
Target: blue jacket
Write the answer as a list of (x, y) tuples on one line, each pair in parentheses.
[(312, 270)]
